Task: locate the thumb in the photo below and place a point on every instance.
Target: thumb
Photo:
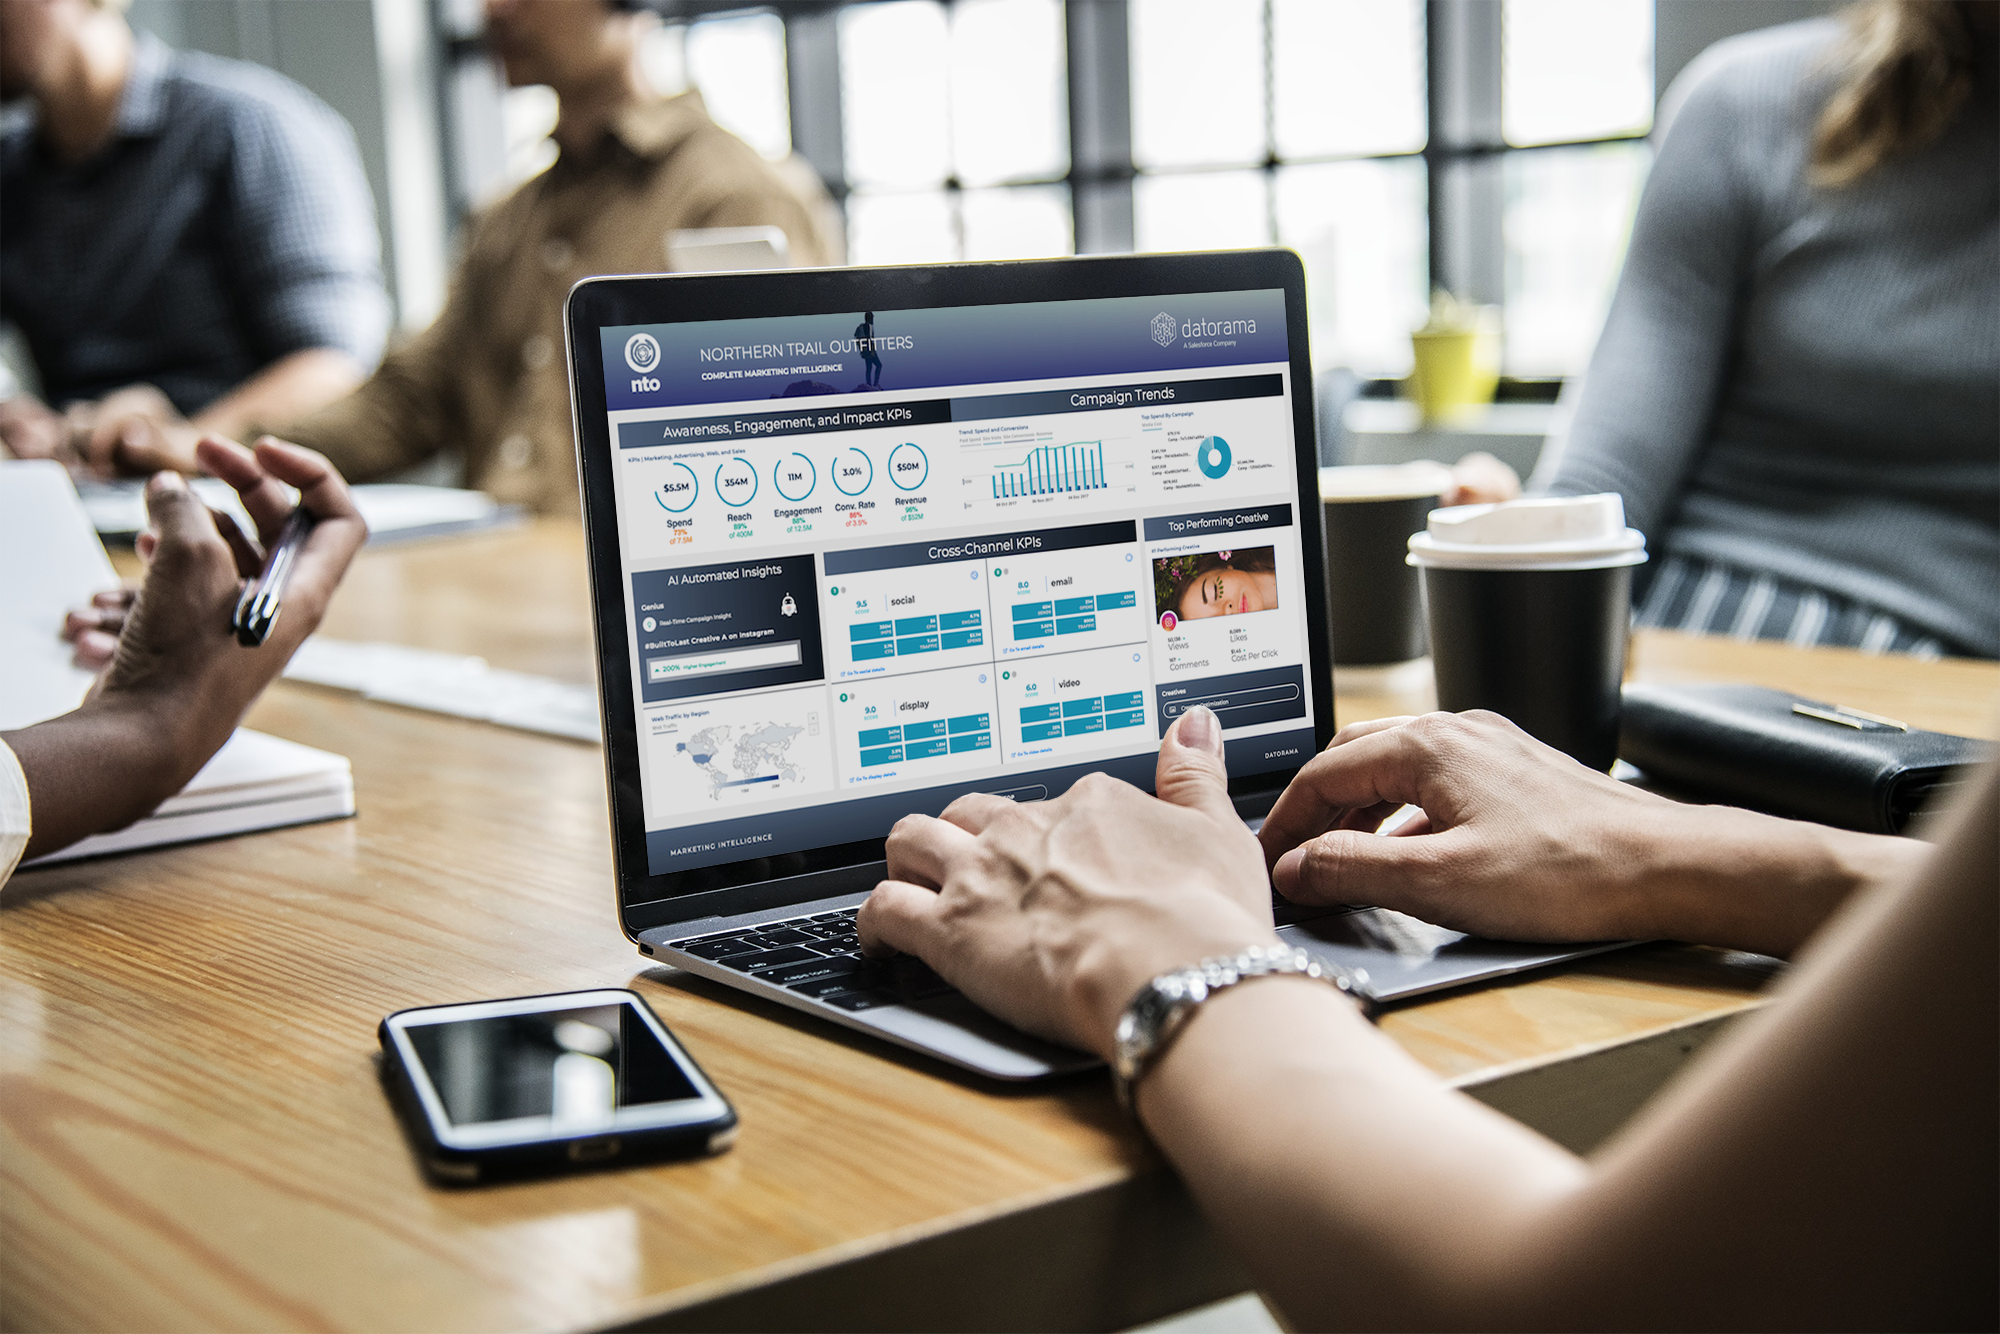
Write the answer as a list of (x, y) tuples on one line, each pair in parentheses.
[(176, 514), (1354, 866), (1191, 770)]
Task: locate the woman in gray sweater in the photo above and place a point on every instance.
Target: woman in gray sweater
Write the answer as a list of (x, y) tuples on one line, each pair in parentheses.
[(1797, 390)]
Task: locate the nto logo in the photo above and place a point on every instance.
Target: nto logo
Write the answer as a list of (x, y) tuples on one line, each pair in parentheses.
[(642, 354), (1163, 329)]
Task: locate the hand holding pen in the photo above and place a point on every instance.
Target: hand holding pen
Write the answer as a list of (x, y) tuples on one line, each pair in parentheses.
[(263, 598), (178, 682)]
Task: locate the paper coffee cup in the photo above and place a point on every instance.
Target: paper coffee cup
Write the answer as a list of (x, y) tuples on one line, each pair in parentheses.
[(1529, 607), (1373, 602)]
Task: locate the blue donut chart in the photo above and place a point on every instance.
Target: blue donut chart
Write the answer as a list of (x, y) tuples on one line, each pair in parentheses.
[(866, 462), (923, 470), (721, 486), (778, 476), (693, 490), (1212, 457)]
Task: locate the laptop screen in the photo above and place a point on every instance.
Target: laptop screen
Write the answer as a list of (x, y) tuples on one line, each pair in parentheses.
[(879, 559)]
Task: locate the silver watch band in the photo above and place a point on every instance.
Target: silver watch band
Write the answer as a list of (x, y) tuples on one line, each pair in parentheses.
[(1164, 1005)]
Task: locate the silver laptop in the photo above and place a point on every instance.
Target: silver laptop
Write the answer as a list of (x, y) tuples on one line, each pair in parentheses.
[(864, 540)]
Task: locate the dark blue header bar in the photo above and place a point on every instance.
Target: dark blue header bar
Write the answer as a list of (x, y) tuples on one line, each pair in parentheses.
[(722, 361)]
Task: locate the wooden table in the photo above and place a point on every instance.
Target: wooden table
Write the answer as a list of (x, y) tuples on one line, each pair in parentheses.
[(194, 1137)]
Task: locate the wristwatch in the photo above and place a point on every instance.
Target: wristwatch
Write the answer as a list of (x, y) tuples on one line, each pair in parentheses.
[(1164, 1005)]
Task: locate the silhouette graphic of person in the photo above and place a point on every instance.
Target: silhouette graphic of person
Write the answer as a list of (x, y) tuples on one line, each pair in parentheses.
[(864, 334)]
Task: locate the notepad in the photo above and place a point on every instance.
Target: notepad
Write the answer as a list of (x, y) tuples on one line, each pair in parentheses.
[(51, 561)]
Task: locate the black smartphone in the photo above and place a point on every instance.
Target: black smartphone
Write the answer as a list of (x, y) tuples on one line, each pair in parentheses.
[(500, 1089)]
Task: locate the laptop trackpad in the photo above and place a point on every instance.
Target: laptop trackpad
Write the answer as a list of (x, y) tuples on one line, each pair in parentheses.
[(963, 1032), (1404, 956)]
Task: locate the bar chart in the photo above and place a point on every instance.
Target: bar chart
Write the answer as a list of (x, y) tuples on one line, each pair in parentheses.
[(1052, 469)]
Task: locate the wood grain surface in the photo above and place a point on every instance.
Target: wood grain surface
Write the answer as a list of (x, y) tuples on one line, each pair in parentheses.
[(192, 1135)]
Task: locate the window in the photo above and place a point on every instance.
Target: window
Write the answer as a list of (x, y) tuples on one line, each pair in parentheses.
[(1297, 123), (1572, 71), (955, 130), (945, 129)]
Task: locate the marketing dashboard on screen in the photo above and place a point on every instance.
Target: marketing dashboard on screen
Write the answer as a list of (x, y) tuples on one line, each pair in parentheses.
[(882, 558)]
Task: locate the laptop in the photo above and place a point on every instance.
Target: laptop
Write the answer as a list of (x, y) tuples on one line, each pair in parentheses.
[(864, 540)]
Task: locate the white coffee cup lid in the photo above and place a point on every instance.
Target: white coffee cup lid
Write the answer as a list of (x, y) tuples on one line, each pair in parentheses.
[(1385, 481), (1539, 533)]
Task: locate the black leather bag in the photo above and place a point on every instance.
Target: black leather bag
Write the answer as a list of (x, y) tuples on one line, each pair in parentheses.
[(1766, 749)]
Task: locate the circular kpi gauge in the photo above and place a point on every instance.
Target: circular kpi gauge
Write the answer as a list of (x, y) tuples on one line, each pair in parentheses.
[(676, 495), (852, 472), (736, 482), (1212, 457), (909, 466), (794, 476)]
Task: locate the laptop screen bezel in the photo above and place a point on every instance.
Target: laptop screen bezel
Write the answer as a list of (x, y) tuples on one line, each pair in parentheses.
[(646, 900)]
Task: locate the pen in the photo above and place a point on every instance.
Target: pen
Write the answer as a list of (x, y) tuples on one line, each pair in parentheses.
[(257, 610)]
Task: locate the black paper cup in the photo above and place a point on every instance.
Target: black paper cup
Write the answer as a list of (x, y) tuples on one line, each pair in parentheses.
[(1545, 648), (1374, 602), (1529, 605)]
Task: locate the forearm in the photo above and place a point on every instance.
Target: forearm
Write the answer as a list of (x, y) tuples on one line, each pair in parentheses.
[(399, 417), (1359, 1190), (287, 389), (96, 769), (1716, 875)]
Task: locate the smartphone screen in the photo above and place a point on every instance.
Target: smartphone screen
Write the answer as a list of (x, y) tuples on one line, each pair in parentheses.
[(573, 1069)]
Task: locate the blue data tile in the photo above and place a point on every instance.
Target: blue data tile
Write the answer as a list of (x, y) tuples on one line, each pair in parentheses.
[(1076, 726), (963, 639), (1042, 732), (959, 620), (916, 625), (887, 755), (1033, 611), (880, 736), (1073, 708), (1033, 630), (1075, 606), (1076, 625), (1041, 713), (869, 630), (971, 741), (1131, 699), (923, 731), (880, 648), (1129, 718), (971, 722), (918, 644), (923, 750), (1114, 601)]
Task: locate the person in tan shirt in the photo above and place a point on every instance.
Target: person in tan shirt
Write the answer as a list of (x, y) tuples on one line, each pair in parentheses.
[(487, 379)]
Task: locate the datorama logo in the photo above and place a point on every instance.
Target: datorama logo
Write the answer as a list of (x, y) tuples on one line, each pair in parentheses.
[(1164, 330)]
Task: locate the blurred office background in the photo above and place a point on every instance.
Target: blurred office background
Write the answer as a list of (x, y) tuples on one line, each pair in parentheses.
[(1494, 148)]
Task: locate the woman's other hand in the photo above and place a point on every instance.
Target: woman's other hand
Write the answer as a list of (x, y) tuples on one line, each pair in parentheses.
[(1517, 841), (1479, 478)]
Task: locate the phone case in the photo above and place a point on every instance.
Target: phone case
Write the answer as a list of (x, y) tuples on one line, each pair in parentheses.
[(447, 1165)]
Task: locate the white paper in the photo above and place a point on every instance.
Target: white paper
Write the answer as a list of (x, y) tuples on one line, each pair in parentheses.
[(449, 683), (50, 562)]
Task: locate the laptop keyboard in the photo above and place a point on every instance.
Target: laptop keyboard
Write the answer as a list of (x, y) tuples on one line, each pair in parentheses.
[(819, 957)]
